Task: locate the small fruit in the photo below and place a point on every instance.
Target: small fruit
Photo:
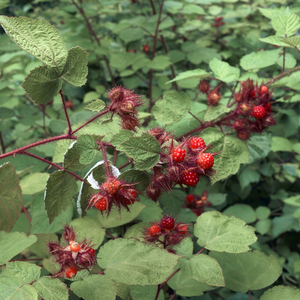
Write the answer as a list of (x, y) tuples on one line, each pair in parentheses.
[(91, 251), (203, 86), (252, 94), (183, 229), (101, 204), (71, 272), (155, 230), (190, 198), (112, 186), (259, 112), (264, 89), (268, 106), (190, 178), (129, 201), (197, 143), (178, 154), (168, 223), (75, 247), (206, 161)]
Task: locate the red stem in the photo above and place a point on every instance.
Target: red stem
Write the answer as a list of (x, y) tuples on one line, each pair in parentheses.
[(66, 113), (249, 294), (115, 156), (125, 165), (110, 235), (201, 250), (108, 173), (26, 213), (218, 295)]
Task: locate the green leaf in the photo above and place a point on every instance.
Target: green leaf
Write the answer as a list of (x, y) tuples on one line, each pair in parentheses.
[(131, 34), (262, 212), (281, 144), (216, 198), (90, 96), (34, 183), (275, 40), (135, 263), (173, 107), (223, 71), (241, 211), (10, 197), (233, 152), (151, 212), (193, 9), (6, 113), (248, 176), (40, 247), (123, 290), (13, 243), (293, 201), (90, 229), (76, 70), (87, 148), (160, 62), (95, 287), (59, 193), (259, 60), (144, 150), (185, 247), (51, 288), (286, 23), (71, 158), (203, 268), (289, 60), (117, 218), (42, 84), (187, 286), (22, 270), (218, 232), (293, 41), (136, 176), (248, 271), (61, 148), (136, 231), (120, 137), (259, 146), (280, 293), (96, 106), (213, 112), (198, 73), (148, 292), (263, 226), (39, 38)]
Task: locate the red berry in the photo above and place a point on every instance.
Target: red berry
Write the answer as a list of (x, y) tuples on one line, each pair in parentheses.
[(264, 89), (252, 94), (101, 204), (190, 198), (197, 143), (178, 154), (190, 178), (259, 112), (129, 201), (155, 230), (183, 229), (206, 161), (167, 223), (91, 251), (71, 272), (75, 247), (112, 186), (268, 106)]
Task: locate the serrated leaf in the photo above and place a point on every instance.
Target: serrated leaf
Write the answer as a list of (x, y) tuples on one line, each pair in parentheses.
[(213, 112), (275, 40), (136, 176), (185, 247), (95, 287), (147, 292), (223, 71), (40, 247), (136, 231), (218, 232), (33, 183), (13, 243), (131, 34), (59, 193), (87, 148), (248, 271), (198, 73), (120, 137), (281, 292), (96, 105), (151, 212), (71, 158), (10, 197), (135, 263), (42, 84), (51, 288), (76, 70), (286, 23), (242, 211), (233, 152), (293, 41), (39, 38), (144, 150), (259, 146), (172, 107), (203, 269), (160, 62)]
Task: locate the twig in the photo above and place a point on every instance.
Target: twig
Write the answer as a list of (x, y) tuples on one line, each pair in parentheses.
[(201, 250), (173, 296), (110, 235), (217, 295), (249, 293), (66, 113), (196, 118), (282, 75), (126, 164), (212, 78), (115, 156), (26, 213), (105, 161)]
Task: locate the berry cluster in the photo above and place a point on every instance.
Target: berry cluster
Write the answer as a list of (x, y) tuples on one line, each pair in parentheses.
[(218, 22), (124, 103), (213, 96), (197, 203), (73, 257), (181, 164), (113, 191), (166, 233)]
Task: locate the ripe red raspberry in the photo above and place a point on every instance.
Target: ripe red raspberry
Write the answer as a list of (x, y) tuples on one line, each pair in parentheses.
[(71, 272), (190, 198), (197, 143), (190, 178), (178, 154), (259, 112), (264, 89), (206, 161), (183, 229), (112, 185), (91, 251), (101, 204), (167, 223), (252, 94), (155, 230)]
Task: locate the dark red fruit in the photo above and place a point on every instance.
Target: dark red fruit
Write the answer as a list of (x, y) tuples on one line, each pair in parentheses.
[(178, 154), (197, 143), (101, 204), (264, 89), (203, 86), (91, 251), (131, 200), (167, 223), (112, 186), (71, 272), (259, 112), (206, 161), (155, 230), (190, 178), (183, 229), (190, 198), (252, 94), (268, 106)]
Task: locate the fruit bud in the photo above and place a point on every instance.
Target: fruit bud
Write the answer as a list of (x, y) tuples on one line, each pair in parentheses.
[(243, 134), (238, 124), (270, 121), (238, 97), (127, 107), (244, 108), (213, 99), (203, 86)]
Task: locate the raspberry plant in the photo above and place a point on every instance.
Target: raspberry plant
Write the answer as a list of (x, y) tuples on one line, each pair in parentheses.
[(183, 181)]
